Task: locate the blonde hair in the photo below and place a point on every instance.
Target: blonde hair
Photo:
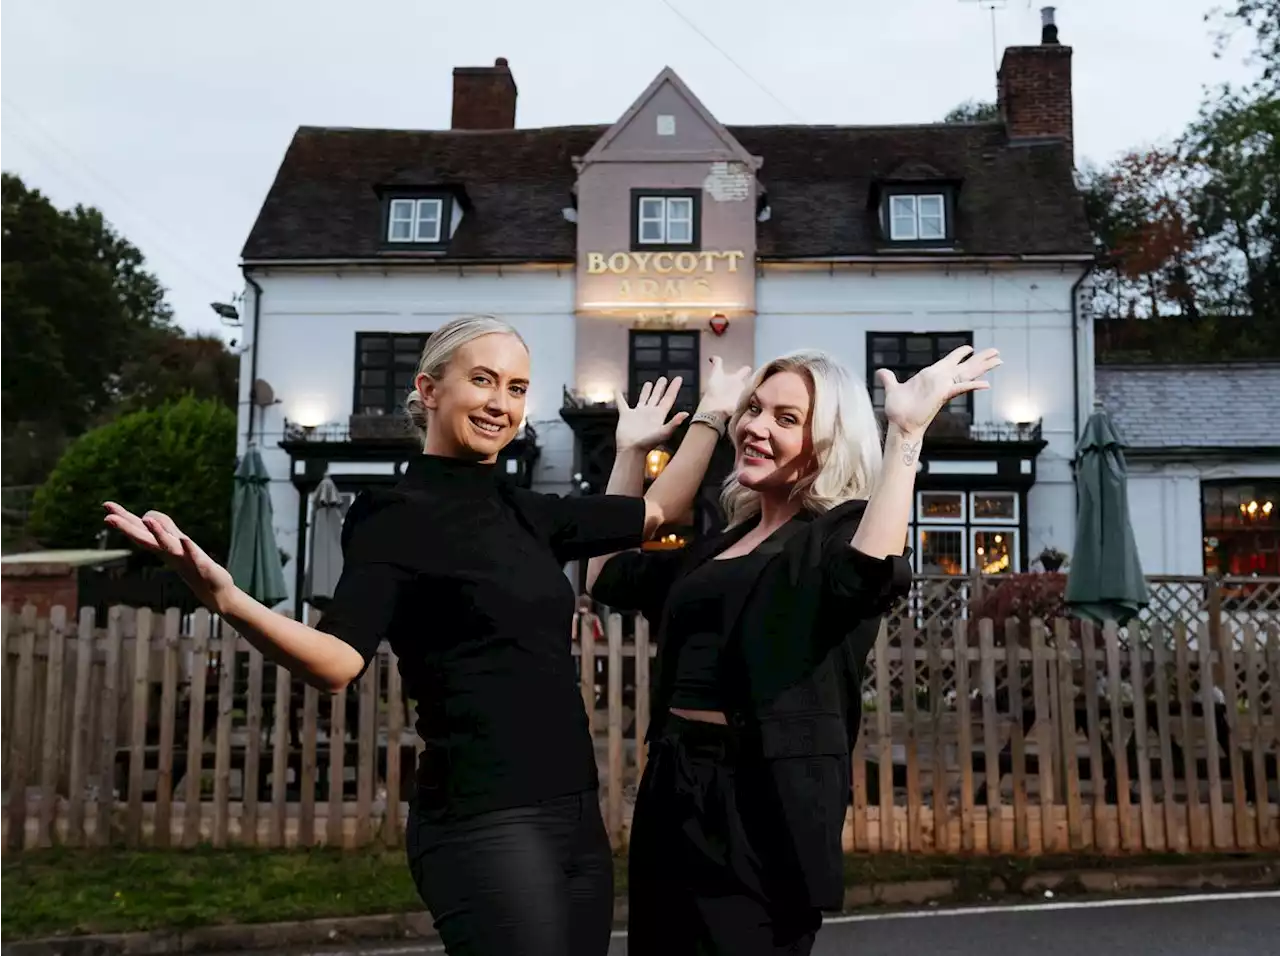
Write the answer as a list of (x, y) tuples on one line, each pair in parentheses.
[(439, 351), (844, 429)]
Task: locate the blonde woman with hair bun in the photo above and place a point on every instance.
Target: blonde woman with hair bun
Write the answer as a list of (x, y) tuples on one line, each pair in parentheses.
[(463, 575), (763, 631)]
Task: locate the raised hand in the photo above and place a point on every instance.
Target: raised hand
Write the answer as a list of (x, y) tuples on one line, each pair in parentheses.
[(646, 425), (724, 389), (912, 405), (157, 533)]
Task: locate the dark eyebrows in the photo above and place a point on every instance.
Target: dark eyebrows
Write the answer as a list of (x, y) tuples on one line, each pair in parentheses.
[(494, 375)]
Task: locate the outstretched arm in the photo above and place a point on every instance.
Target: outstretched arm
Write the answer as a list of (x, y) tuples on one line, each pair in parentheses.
[(909, 407), (644, 427), (320, 659)]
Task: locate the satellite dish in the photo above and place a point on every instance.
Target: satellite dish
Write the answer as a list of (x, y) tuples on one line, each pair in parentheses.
[(262, 393)]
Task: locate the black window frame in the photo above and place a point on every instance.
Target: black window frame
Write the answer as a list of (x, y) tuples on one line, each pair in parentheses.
[(394, 392), (948, 194), (1214, 488), (640, 372), (446, 201), (695, 243), (961, 405)]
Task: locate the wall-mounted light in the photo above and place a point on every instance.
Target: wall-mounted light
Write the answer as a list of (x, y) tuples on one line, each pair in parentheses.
[(1023, 414), (309, 413), (227, 312), (599, 394)]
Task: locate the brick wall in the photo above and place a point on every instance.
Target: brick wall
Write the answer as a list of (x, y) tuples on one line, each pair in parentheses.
[(1035, 92), (484, 97), (45, 586)]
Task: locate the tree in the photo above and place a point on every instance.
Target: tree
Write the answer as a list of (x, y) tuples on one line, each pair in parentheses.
[(77, 299), (1235, 143), (973, 111), (179, 458), (1263, 18), (167, 367), (1142, 210)]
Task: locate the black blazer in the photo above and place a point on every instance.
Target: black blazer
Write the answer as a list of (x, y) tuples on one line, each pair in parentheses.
[(798, 643)]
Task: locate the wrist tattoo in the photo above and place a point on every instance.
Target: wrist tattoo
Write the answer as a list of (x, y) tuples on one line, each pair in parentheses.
[(910, 452)]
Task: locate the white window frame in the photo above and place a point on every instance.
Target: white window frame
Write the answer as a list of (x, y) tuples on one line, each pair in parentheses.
[(665, 218), (966, 546), (1015, 549), (1015, 519), (915, 217), (420, 212), (924, 519)]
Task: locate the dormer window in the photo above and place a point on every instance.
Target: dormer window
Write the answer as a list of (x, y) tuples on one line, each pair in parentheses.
[(665, 220), (415, 220), (918, 215), (418, 219)]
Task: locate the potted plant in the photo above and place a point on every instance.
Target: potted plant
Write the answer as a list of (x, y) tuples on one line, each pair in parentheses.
[(1051, 559)]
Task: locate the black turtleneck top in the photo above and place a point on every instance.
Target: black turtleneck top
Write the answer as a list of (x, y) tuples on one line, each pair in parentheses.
[(463, 576)]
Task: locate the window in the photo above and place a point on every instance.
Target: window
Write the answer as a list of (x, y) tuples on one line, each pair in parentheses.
[(917, 217), (667, 220), (1241, 521), (958, 532), (905, 354), (654, 354), (417, 221), (386, 363)]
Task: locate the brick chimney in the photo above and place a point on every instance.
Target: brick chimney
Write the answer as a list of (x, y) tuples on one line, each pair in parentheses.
[(1035, 87), (484, 97)]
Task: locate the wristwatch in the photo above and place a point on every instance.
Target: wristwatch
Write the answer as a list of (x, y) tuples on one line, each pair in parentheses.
[(717, 420)]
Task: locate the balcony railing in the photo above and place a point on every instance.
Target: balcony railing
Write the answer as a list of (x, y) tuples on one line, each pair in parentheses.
[(573, 398), (359, 428), (956, 426)]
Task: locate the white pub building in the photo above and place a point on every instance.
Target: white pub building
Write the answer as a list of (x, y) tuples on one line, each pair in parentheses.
[(638, 249)]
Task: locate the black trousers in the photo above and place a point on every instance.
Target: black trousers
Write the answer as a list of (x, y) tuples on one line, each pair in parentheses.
[(705, 874), (529, 881)]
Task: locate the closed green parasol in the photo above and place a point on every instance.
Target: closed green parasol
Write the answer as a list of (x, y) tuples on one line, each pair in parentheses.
[(254, 561), (1105, 581)]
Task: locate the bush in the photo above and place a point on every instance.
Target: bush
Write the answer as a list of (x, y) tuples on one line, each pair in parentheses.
[(178, 458), (1022, 596)]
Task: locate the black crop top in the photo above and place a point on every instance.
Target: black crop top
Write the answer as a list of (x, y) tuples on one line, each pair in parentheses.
[(463, 576), (696, 627)]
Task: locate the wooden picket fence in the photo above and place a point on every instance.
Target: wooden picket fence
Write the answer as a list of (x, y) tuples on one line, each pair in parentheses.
[(978, 736)]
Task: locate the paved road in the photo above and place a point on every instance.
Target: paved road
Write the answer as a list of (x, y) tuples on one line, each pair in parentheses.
[(1246, 924), (1217, 927)]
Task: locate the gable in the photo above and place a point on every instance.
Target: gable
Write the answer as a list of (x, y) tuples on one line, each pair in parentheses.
[(668, 122)]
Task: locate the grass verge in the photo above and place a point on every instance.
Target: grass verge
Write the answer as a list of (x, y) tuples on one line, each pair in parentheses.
[(72, 892)]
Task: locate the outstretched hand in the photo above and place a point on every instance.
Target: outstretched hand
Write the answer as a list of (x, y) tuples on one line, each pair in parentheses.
[(157, 533), (912, 405), (724, 389), (645, 425)]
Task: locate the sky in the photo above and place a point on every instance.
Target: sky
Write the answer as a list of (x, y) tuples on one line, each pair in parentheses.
[(172, 117)]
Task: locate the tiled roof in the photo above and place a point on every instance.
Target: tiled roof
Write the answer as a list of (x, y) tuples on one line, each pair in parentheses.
[(1193, 406), (1013, 199)]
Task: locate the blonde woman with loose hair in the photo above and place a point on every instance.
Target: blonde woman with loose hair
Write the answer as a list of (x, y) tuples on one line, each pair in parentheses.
[(763, 632), (463, 575), (845, 434)]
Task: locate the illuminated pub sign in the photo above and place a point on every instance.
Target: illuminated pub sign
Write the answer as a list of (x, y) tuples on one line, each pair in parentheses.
[(707, 278)]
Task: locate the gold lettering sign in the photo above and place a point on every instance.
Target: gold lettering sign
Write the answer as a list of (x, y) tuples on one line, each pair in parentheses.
[(663, 263), (684, 278)]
